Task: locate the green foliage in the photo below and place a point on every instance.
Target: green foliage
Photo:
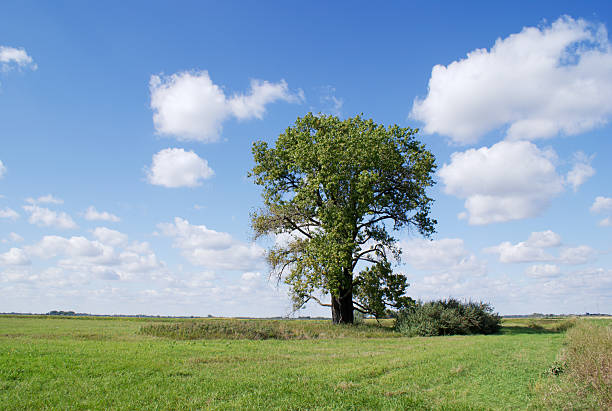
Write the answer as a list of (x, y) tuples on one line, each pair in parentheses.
[(565, 325), (448, 317), (535, 325), (332, 187)]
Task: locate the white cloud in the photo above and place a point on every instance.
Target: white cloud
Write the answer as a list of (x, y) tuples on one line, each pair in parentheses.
[(543, 271), (539, 82), (527, 251), (2, 169), (10, 57), (606, 222), (581, 171), (602, 204), (544, 239), (110, 258), (212, 249), (52, 245), (15, 237), (577, 255), (48, 199), (534, 249), (15, 256), (47, 218), (9, 213), (189, 106), (511, 180), (250, 276), (175, 167), (93, 214), (110, 237), (519, 253), (446, 254)]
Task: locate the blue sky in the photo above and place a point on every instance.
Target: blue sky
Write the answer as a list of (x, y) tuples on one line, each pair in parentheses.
[(126, 133)]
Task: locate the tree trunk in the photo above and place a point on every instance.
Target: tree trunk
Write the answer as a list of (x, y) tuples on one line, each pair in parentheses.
[(342, 308)]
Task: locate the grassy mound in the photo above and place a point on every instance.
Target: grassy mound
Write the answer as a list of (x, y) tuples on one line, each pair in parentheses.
[(234, 329)]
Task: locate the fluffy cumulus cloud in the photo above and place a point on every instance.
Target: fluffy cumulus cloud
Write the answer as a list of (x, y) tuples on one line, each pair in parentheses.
[(14, 256), (539, 83), (212, 249), (11, 57), (189, 106), (175, 167), (603, 205), (577, 255), (45, 217), (581, 171), (9, 213), (92, 214), (527, 251), (537, 248), (110, 237), (2, 169), (510, 180), (108, 257), (445, 255), (543, 271)]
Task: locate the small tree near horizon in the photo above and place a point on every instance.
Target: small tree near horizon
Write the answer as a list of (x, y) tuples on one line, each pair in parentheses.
[(332, 191)]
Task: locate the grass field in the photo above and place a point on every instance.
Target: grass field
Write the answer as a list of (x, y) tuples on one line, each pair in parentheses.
[(97, 363)]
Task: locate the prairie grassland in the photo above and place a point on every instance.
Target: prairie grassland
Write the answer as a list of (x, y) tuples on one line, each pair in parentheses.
[(91, 363), (582, 377)]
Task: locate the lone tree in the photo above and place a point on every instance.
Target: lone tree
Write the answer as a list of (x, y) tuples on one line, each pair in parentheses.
[(332, 189)]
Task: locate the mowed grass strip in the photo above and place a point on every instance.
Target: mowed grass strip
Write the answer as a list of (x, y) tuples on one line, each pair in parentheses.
[(108, 364)]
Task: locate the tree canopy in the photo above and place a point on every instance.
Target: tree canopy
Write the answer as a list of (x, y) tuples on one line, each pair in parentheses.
[(333, 190)]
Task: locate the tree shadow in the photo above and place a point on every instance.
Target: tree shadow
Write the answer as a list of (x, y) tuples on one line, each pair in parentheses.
[(517, 329)]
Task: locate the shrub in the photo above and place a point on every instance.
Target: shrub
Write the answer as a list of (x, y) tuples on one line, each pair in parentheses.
[(534, 325), (448, 317), (565, 325)]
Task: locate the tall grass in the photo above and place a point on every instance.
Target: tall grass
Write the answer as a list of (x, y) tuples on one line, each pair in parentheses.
[(584, 370), (233, 329)]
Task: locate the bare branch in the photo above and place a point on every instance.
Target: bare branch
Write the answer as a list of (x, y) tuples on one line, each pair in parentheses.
[(360, 308), (312, 297), (297, 227)]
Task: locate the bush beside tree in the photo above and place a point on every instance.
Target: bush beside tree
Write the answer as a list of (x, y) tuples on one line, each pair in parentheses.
[(448, 317)]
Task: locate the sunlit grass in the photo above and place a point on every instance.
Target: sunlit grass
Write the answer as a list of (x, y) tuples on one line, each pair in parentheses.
[(108, 364)]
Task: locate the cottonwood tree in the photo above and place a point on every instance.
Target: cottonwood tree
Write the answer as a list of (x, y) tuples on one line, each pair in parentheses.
[(332, 192)]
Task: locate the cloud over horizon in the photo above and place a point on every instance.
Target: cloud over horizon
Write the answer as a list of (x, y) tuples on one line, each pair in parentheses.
[(212, 249)]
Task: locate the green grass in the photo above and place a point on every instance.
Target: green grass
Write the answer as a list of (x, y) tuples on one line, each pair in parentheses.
[(83, 363)]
